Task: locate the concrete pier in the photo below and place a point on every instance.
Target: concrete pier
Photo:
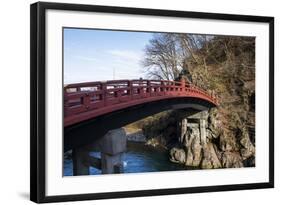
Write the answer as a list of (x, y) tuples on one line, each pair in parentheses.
[(112, 147), (183, 129), (80, 166), (202, 123)]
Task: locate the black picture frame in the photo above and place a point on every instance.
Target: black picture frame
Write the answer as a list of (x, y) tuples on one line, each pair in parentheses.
[(38, 100)]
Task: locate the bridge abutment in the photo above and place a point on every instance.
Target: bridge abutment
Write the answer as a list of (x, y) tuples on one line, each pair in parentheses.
[(194, 137), (199, 118), (199, 151)]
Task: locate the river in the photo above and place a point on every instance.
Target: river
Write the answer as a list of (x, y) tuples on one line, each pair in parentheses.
[(138, 158)]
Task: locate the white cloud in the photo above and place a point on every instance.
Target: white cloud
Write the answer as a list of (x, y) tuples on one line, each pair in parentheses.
[(105, 65), (126, 54)]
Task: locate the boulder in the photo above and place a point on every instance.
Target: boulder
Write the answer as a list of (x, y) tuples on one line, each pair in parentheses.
[(177, 155)]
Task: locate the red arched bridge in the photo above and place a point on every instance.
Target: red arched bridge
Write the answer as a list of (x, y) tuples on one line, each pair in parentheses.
[(84, 101)]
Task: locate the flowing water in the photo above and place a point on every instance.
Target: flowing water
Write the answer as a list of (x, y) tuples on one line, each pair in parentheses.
[(138, 158)]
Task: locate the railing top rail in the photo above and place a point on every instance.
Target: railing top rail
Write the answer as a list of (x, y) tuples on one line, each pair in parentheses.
[(116, 81), (138, 83), (84, 84)]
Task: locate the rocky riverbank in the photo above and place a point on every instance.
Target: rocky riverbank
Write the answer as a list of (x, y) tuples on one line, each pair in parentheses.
[(134, 134), (137, 136), (218, 151)]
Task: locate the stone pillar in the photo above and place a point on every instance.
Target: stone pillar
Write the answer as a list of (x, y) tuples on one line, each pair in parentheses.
[(113, 145), (183, 129), (82, 160), (203, 133), (192, 145), (80, 156), (201, 118)]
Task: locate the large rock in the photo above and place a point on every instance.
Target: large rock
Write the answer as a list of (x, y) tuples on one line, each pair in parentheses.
[(231, 160), (214, 124), (177, 155), (227, 142), (192, 144), (210, 157), (248, 149)]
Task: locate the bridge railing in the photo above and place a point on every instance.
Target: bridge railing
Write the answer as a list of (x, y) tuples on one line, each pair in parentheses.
[(82, 97)]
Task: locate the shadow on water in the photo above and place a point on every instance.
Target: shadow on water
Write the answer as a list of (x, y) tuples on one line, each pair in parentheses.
[(138, 158)]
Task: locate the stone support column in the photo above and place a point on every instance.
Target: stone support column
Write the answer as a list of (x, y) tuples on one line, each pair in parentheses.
[(82, 160), (183, 129), (192, 145), (203, 133), (80, 156), (113, 145)]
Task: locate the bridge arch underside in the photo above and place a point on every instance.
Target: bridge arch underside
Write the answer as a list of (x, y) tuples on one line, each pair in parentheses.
[(89, 131)]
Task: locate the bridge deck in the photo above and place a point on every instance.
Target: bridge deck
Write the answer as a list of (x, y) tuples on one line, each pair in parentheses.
[(84, 101)]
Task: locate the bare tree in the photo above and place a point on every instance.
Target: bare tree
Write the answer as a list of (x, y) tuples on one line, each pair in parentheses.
[(167, 54), (163, 59)]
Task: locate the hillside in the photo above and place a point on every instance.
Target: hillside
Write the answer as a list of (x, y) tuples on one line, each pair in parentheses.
[(225, 66)]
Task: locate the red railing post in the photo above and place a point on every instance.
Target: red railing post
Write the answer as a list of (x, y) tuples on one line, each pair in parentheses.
[(182, 84), (132, 89), (149, 87), (167, 87), (163, 87), (141, 88), (86, 101), (119, 95), (103, 89)]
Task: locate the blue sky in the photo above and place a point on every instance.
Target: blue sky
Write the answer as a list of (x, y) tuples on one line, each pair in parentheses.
[(98, 55)]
